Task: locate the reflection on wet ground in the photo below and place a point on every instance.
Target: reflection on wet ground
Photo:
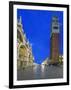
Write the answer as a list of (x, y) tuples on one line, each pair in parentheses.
[(40, 72)]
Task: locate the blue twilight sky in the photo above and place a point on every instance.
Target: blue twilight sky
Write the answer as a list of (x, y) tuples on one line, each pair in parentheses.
[(37, 27)]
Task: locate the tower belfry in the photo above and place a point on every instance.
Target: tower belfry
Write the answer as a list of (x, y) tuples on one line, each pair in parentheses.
[(55, 31)]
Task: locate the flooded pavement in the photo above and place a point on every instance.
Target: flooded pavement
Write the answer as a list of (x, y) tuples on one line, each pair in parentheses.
[(40, 72)]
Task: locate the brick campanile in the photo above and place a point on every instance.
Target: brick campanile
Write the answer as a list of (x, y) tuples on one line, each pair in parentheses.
[(54, 56)]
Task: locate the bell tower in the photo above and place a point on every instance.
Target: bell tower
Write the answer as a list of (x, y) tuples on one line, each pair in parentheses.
[(54, 56)]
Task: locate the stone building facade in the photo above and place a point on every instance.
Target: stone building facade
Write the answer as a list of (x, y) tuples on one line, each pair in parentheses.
[(24, 50)]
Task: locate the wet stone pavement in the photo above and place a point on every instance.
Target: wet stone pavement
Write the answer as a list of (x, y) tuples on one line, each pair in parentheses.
[(40, 72)]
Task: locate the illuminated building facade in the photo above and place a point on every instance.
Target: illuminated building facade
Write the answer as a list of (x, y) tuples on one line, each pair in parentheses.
[(24, 49)]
